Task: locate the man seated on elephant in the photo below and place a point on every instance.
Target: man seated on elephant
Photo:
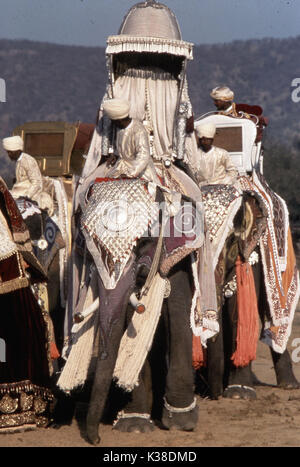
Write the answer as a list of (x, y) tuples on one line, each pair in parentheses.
[(29, 180), (214, 165), (223, 98), (132, 144)]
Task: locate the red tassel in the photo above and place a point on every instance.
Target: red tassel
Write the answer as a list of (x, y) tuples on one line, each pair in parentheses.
[(54, 353), (198, 354), (248, 325)]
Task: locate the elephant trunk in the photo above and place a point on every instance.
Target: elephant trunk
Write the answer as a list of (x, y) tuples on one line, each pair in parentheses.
[(102, 382), (113, 306)]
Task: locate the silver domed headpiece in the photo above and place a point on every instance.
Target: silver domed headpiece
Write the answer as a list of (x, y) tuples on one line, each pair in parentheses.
[(151, 19), (150, 27)]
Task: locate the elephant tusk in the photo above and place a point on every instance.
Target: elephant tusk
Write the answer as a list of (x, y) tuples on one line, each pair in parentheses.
[(138, 306), (79, 317)]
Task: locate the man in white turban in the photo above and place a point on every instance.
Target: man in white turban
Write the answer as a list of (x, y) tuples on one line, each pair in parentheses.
[(117, 109), (223, 99), (29, 180), (213, 165), (132, 149)]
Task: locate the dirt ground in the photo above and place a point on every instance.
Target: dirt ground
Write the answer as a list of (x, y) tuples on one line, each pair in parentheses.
[(272, 420)]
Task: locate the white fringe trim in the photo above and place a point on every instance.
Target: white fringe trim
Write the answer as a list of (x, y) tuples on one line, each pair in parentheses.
[(75, 371), (79, 350), (124, 43), (64, 226), (137, 340)]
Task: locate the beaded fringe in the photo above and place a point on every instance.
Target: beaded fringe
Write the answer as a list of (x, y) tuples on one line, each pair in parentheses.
[(26, 386)]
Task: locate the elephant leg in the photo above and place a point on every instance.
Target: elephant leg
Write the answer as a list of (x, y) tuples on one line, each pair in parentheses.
[(240, 384), (112, 325), (284, 370), (215, 364), (102, 382), (282, 362), (215, 367), (136, 415), (55, 309), (238, 380), (180, 410), (63, 411)]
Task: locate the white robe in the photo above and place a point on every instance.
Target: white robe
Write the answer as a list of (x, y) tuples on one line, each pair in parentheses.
[(214, 167), (132, 145), (30, 182)]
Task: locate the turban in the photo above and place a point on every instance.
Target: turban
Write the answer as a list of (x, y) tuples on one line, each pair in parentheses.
[(116, 109), (222, 93), (13, 143), (207, 130)]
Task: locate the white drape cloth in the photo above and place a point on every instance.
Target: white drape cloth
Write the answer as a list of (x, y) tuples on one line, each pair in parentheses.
[(159, 95)]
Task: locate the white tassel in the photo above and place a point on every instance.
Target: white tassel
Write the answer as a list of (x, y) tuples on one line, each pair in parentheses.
[(137, 340)]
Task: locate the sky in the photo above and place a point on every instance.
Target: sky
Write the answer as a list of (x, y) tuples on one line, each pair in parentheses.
[(89, 22)]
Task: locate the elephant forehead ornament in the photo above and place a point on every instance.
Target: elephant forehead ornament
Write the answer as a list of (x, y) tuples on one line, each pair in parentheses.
[(118, 213)]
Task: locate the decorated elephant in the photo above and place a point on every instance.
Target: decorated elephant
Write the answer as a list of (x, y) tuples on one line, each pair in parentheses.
[(137, 157), (255, 265), (49, 238), (166, 270), (42, 202)]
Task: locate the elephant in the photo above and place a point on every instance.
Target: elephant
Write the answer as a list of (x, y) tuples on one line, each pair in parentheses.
[(171, 263), (47, 241), (179, 384), (225, 378), (146, 67)]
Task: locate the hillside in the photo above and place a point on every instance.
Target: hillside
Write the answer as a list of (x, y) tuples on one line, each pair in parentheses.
[(55, 82)]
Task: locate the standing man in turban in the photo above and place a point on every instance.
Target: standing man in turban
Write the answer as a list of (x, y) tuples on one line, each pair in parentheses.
[(133, 157), (29, 180), (214, 165)]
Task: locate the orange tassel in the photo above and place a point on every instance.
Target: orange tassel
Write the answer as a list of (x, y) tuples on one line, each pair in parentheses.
[(248, 325), (198, 354), (54, 353)]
